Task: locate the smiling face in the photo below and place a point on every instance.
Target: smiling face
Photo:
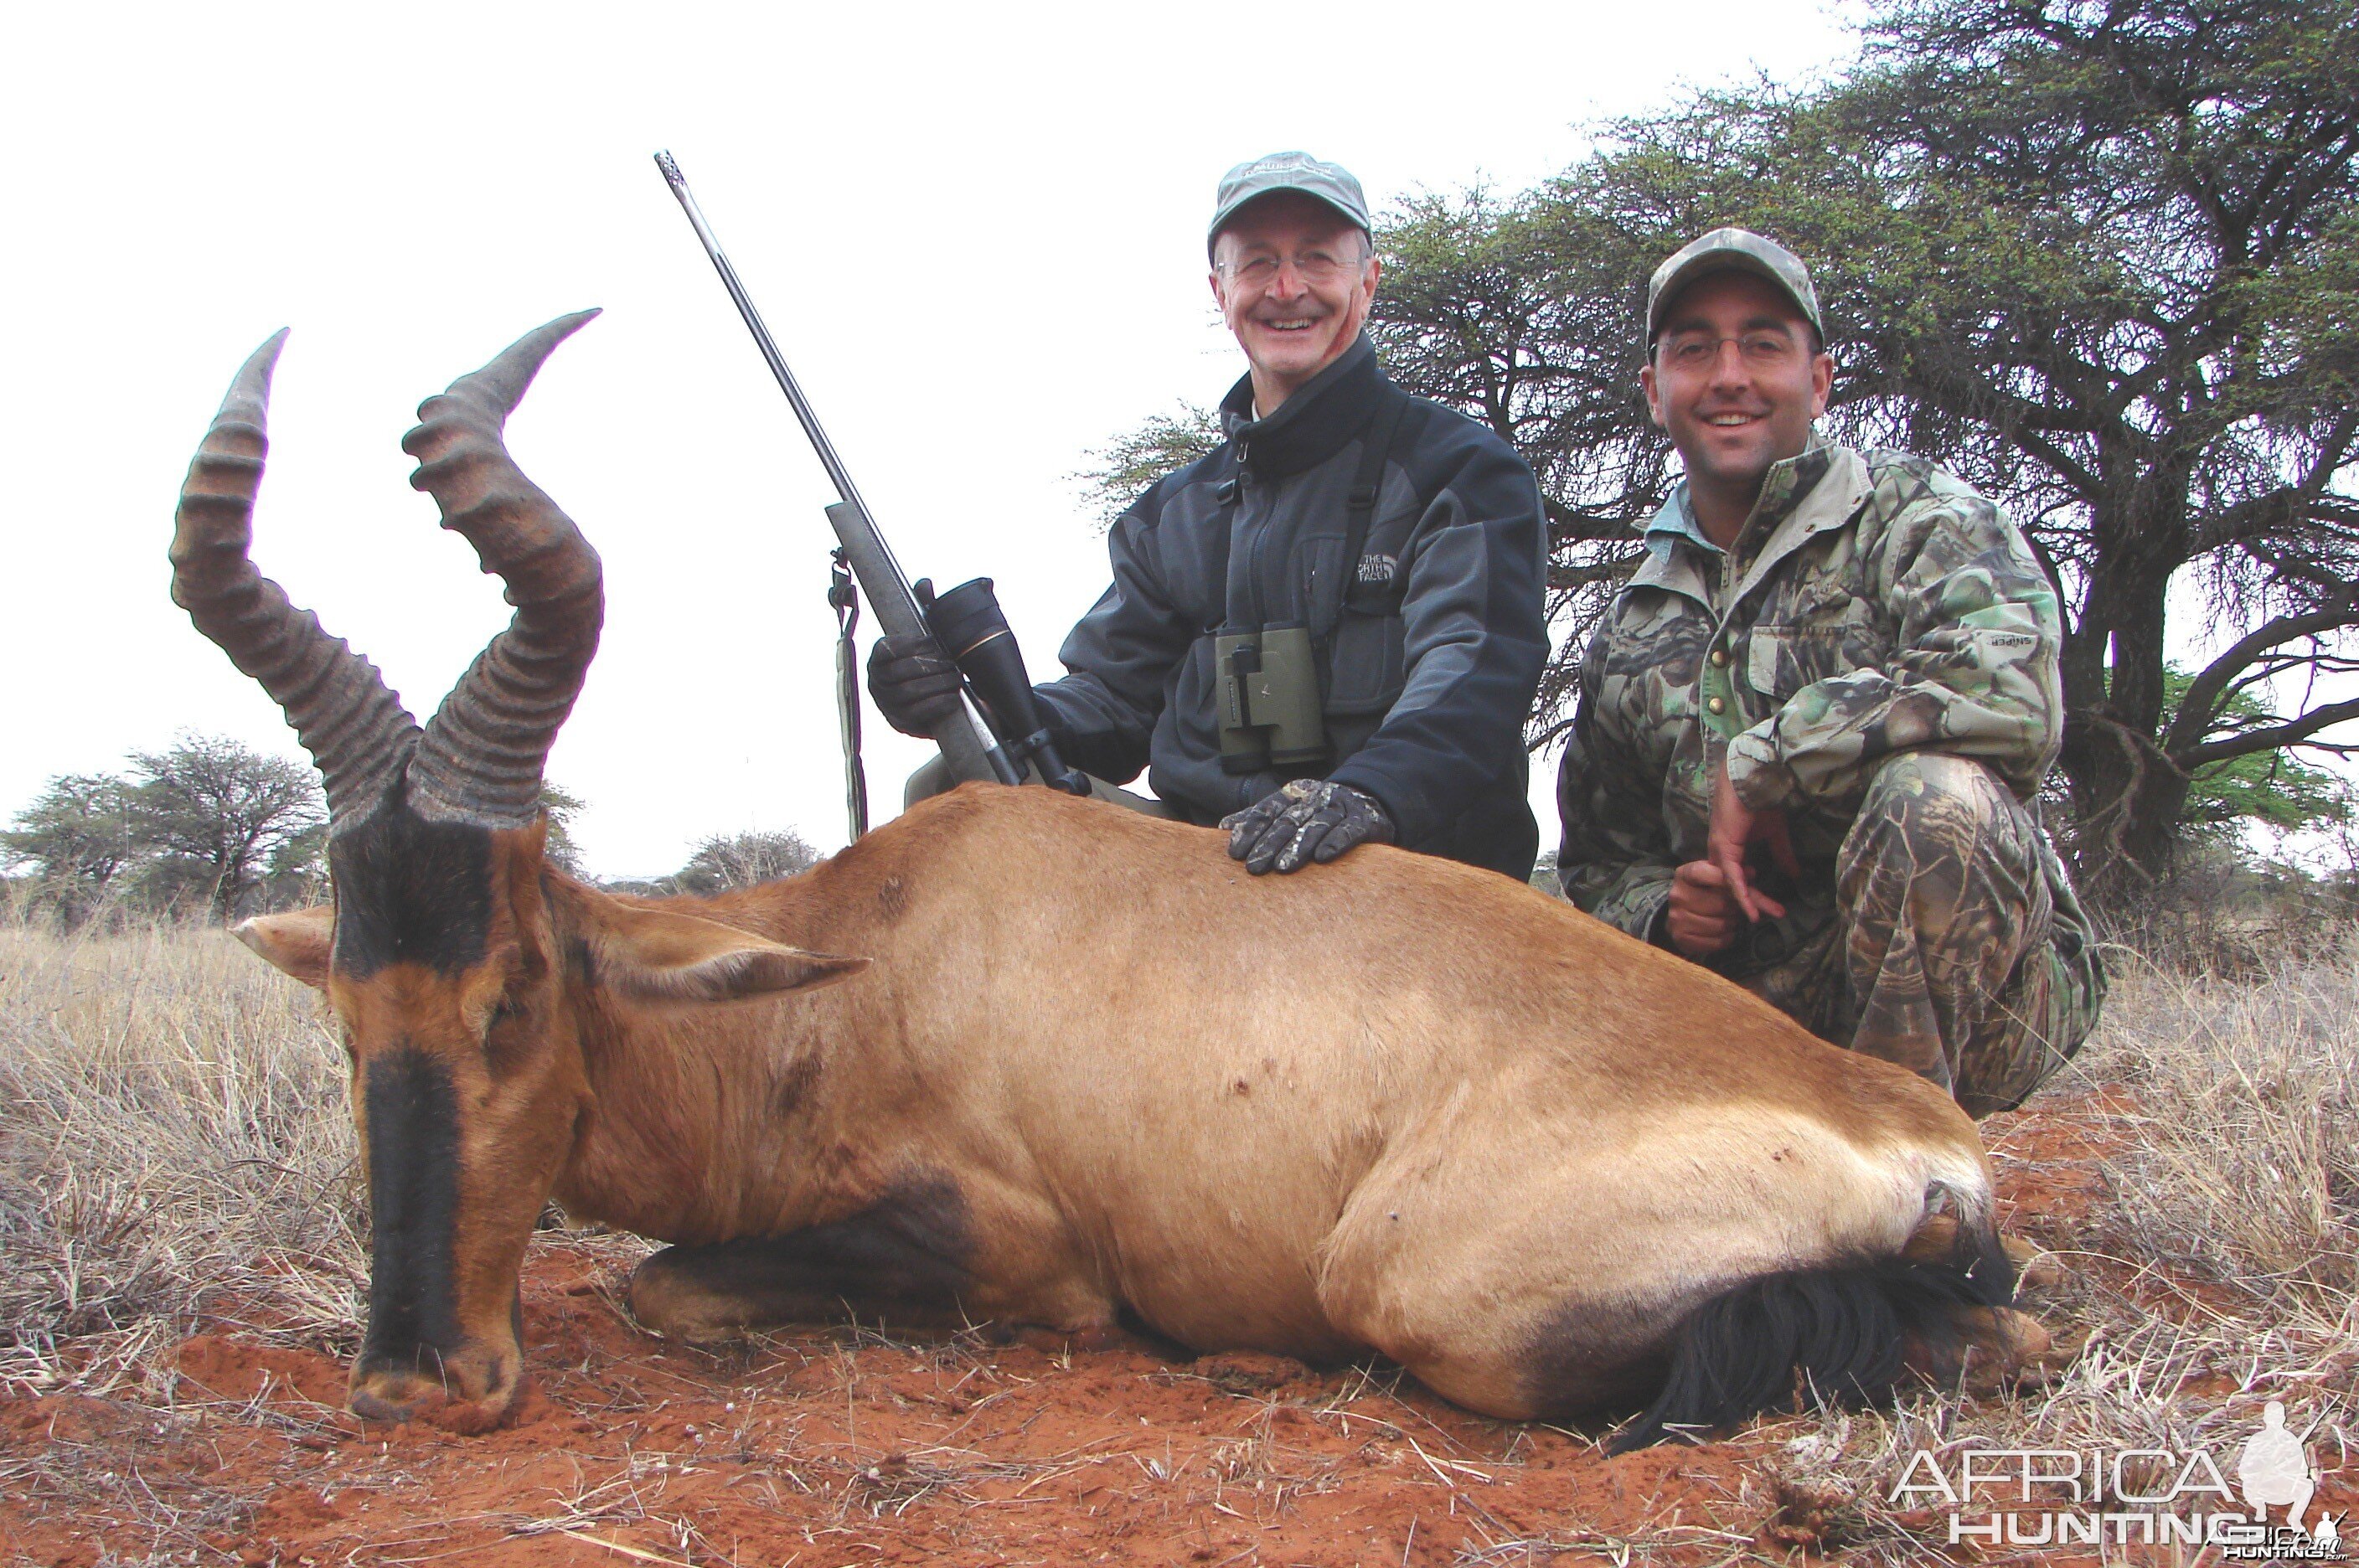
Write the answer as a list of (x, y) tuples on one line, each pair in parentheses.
[(1294, 278), (1736, 379)]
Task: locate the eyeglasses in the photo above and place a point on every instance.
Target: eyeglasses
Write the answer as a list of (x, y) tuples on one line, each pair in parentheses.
[(1761, 351), (1258, 269)]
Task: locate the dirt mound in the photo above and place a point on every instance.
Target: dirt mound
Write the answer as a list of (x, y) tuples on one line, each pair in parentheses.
[(212, 1367)]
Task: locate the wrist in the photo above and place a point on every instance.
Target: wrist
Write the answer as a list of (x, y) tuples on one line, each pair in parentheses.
[(1760, 782), (1648, 916)]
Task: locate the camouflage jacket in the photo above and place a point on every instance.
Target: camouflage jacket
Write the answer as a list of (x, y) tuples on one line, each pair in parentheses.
[(1879, 604)]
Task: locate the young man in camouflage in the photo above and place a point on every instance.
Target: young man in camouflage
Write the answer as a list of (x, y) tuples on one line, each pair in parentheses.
[(1813, 724)]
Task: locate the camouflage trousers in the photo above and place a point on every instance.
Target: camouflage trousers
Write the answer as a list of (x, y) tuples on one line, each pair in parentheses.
[(1958, 949)]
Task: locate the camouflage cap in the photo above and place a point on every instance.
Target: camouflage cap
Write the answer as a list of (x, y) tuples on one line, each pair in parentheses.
[(1328, 182), (1742, 251)]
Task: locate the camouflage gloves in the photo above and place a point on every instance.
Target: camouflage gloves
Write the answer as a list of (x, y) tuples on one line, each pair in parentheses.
[(915, 684), (1309, 820)]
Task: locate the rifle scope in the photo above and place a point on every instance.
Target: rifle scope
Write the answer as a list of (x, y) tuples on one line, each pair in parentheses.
[(969, 624)]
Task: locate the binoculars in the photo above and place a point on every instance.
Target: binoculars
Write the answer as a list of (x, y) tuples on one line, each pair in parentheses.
[(1268, 705)]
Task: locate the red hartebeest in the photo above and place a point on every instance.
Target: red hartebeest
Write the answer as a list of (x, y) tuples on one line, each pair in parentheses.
[(1036, 1060)]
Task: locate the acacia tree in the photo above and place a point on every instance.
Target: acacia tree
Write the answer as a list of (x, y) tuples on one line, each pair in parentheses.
[(724, 861), (562, 808), (2103, 258), (77, 838), (1119, 473), (2164, 378), (214, 813)]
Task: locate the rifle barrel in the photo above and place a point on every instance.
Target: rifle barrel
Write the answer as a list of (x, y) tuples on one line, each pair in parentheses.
[(845, 488), (969, 748)]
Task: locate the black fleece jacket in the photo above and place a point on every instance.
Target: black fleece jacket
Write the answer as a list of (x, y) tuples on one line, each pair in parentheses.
[(1428, 677)]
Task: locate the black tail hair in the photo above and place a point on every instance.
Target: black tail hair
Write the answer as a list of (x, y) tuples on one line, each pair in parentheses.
[(1840, 1333)]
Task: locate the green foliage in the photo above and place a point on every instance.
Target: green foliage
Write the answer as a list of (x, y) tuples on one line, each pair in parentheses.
[(74, 841), (210, 814), (2272, 790), (1120, 470), (562, 807), (726, 861), (206, 823)]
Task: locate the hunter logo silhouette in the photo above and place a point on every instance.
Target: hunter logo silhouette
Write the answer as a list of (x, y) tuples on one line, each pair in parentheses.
[(2274, 1469)]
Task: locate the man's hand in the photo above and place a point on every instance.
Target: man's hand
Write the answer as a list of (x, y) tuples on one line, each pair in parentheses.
[(1709, 895), (915, 684), (1735, 829), (1703, 915), (1308, 821)]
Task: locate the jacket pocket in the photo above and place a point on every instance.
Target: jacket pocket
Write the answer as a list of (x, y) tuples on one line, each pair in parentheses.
[(1194, 703), (1780, 660), (1369, 664)]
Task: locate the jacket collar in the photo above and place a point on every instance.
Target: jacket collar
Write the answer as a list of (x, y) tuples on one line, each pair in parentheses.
[(1801, 497), (1676, 520), (1315, 423)]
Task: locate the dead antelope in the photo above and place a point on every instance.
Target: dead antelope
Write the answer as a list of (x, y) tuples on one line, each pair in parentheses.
[(1066, 1066)]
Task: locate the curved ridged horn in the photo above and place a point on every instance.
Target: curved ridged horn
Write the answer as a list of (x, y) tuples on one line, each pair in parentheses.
[(483, 753), (355, 729)]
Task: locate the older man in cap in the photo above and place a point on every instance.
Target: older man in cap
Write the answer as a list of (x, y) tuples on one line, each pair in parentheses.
[(1813, 726), (1327, 632)]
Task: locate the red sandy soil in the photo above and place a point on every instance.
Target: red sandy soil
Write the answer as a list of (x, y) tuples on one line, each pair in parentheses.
[(821, 1449)]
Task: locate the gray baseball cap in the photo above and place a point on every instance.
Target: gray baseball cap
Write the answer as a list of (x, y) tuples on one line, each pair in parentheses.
[(1741, 250), (1330, 182)]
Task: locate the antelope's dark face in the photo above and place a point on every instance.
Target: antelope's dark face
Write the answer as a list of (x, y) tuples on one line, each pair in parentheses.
[(441, 965), (438, 957), (445, 961)]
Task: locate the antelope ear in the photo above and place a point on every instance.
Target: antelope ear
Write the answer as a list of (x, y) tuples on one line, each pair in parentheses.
[(662, 955), (298, 943)]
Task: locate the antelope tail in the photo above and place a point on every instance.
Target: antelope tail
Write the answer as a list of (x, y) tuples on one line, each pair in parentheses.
[(1839, 1334)]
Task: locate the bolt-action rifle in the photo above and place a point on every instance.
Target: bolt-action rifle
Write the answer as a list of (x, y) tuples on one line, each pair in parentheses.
[(998, 733)]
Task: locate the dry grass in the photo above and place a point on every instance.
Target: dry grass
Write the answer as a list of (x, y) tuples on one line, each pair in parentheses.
[(173, 1140), (2216, 1271), (174, 1143), (2244, 1167)]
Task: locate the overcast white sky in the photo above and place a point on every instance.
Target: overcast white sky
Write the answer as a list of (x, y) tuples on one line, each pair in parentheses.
[(975, 231)]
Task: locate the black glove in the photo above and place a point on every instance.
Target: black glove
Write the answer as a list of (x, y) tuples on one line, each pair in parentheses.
[(915, 684), (1309, 820)]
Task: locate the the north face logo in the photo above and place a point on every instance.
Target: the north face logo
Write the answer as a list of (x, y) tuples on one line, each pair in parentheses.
[(1377, 570)]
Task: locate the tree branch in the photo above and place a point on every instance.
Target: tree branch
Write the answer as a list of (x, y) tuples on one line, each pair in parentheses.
[(2294, 733), (2198, 708)]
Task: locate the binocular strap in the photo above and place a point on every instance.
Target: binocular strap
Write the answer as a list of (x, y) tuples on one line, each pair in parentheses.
[(1360, 511)]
